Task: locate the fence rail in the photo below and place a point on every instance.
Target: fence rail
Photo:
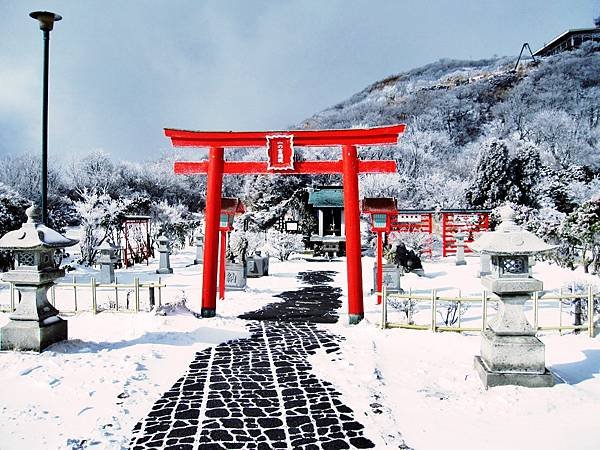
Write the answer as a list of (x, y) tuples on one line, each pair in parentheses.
[(154, 294), (484, 299)]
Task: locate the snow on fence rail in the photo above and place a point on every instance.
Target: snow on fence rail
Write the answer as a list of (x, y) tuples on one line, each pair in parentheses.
[(456, 306), (92, 288)]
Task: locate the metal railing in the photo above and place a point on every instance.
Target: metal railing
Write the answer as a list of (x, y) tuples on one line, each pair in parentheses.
[(590, 297), (154, 290)]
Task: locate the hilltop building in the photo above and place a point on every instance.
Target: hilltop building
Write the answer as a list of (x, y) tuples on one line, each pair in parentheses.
[(570, 40)]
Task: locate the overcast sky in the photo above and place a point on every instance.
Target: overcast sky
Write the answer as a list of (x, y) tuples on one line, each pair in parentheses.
[(122, 70)]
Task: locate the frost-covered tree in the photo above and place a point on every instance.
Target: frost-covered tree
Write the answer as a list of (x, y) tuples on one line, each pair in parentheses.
[(99, 215), (493, 179), (582, 229), (95, 172), (174, 221), (524, 170), (12, 215), (12, 209)]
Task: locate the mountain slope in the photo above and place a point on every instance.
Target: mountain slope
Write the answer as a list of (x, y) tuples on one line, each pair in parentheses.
[(455, 109)]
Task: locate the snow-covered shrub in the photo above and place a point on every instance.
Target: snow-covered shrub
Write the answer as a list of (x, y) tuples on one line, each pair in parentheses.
[(420, 243), (247, 242), (405, 306), (282, 245), (580, 305), (61, 213), (451, 311)]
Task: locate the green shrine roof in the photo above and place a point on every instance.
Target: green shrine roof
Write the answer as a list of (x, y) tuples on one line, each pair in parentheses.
[(327, 198)]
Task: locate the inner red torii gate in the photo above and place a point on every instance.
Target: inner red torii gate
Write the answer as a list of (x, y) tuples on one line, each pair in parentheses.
[(280, 148)]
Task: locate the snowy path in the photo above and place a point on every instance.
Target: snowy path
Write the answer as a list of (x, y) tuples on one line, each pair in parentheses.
[(260, 393)]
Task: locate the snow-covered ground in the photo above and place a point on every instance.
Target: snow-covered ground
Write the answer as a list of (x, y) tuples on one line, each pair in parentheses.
[(96, 386)]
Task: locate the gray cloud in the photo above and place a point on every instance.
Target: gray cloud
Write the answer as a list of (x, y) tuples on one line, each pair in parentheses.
[(121, 71)]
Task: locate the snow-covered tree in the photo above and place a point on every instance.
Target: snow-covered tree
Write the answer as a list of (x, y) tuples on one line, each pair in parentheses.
[(582, 229), (174, 221), (282, 245), (524, 170), (493, 179), (12, 209), (12, 215), (99, 215)]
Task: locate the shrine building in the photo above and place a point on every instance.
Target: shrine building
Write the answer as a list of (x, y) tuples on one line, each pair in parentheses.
[(327, 203)]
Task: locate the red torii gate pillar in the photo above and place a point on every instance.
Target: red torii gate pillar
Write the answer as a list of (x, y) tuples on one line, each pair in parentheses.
[(280, 148), (212, 215), (352, 220)]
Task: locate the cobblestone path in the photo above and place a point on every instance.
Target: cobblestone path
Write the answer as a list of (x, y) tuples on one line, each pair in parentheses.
[(259, 393)]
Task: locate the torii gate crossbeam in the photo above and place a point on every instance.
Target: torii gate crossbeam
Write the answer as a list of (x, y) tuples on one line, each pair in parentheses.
[(280, 148)]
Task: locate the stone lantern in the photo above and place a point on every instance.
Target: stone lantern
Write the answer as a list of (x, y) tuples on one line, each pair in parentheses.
[(107, 261), (164, 249), (460, 249), (199, 243), (511, 354), (35, 323)]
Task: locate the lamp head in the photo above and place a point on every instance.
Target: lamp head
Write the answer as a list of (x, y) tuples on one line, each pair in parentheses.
[(46, 19)]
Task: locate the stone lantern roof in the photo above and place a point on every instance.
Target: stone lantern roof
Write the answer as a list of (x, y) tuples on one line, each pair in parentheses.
[(106, 246), (510, 239), (33, 235)]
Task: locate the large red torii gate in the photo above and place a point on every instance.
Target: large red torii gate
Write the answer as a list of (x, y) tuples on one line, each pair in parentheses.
[(280, 148)]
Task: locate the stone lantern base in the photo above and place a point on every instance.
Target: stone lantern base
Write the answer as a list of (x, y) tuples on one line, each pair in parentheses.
[(512, 360), (32, 335)]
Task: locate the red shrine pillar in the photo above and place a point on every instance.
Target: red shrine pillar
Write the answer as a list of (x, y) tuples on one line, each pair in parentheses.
[(353, 247), (211, 231)]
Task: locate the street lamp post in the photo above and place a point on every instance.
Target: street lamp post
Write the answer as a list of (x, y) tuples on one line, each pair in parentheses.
[(46, 20)]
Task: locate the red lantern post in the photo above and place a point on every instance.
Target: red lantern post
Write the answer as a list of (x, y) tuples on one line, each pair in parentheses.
[(381, 210), (229, 208)]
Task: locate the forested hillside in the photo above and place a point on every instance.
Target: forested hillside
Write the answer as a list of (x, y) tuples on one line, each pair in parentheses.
[(479, 133)]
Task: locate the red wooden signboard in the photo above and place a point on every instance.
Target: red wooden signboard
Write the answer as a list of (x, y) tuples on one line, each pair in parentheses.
[(468, 222), (280, 148), (413, 221)]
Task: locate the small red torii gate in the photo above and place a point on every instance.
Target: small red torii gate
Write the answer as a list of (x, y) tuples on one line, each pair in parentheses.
[(280, 149)]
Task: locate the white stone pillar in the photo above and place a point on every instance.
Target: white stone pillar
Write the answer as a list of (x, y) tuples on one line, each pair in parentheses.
[(321, 222)]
